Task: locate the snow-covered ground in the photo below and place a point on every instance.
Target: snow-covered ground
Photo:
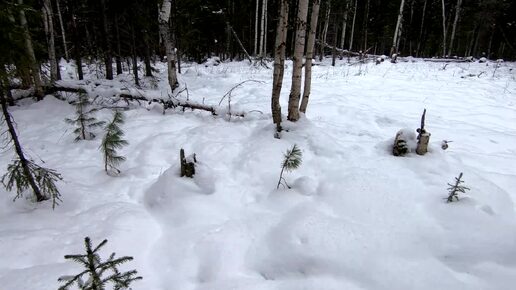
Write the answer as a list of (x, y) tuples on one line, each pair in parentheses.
[(356, 216)]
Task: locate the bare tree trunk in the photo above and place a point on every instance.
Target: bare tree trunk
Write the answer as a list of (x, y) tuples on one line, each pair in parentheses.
[(256, 23), (264, 52), (366, 24), (279, 63), (295, 91), (34, 67), (490, 41), (420, 39), (309, 55), (108, 57), (49, 33), (262, 32), (455, 21), (134, 58), (76, 46), (118, 58), (63, 32), (444, 27), (166, 37), (344, 25), (397, 31), (353, 26), (325, 29)]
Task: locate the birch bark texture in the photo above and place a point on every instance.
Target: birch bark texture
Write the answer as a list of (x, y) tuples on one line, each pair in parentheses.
[(279, 62), (166, 37), (454, 27), (295, 91), (309, 55), (397, 31), (48, 24), (444, 26)]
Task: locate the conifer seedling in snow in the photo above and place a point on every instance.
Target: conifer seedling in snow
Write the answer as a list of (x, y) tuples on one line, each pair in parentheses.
[(113, 140), (84, 121), (456, 188), (98, 274), (292, 160)]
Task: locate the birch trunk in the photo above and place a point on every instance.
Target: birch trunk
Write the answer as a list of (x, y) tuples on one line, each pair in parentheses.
[(309, 55), (76, 45), (344, 26), (279, 63), (295, 91), (34, 66), (264, 52), (262, 28), (118, 58), (325, 30), (166, 37), (61, 25), (108, 57), (49, 33), (366, 24), (353, 27), (454, 27), (397, 31), (444, 27), (256, 23)]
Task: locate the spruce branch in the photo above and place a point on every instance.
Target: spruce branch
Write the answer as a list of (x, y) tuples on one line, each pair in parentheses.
[(291, 160), (96, 270), (84, 122), (113, 140), (454, 189)]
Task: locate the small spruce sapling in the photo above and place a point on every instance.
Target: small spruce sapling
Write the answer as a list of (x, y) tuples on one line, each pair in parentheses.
[(292, 160), (84, 121), (454, 189), (111, 142), (98, 274)]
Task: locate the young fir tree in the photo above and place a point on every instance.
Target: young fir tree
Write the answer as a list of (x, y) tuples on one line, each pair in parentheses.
[(23, 173), (292, 160), (111, 142), (84, 121), (98, 274), (456, 188)]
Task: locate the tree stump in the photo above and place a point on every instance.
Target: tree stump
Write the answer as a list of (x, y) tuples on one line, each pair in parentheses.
[(422, 144), (400, 147), (187, 166)]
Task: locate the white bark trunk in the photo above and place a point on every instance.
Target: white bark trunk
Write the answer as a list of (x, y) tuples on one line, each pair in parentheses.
[(264, 52), (295, 91), (353, 27), (444, 27), (279, 63), (344, 26), (262, 27), (325, 29), (397, 32), (63, 33), (455, 21), (166, 37), (420, 39), (49, 32), (256, 23), (309, 55)]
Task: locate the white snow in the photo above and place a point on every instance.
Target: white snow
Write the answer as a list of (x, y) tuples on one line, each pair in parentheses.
[(356, 216)]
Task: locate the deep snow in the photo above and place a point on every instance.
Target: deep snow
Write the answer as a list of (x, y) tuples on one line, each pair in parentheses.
[(356, 218)]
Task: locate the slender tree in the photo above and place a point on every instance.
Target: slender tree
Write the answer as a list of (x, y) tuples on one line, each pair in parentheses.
[(444, 26), (279, 62), (455, 21), (49, 32), (63, 32), (166, 36), (397, 31)]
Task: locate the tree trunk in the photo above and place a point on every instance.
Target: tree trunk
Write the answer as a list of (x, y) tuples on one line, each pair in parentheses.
[(325, 29), (264, 53), (118, 57), (263, 28), (366, 24), (49, 33), (334, 49), (420, 39), (279, 63), (63, 33), (353, 26), (108, 57), (397, 31), (344, 25), (256, 23), (77, 47), (166, 37), (34, 66), (455, 21), (18, 148), (444, 27), (134, 57), (309, 55), (295, 91)]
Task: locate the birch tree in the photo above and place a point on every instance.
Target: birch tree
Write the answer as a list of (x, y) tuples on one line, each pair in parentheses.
[(444, 27), (61, 25), (353, 26), (48, 24), (295, 91), (455, 21), (397, 31), (325, 29), (166, 36), (309, 55), (420, 39), (279, 62), (256, 23), (108, 54), (344, 25)]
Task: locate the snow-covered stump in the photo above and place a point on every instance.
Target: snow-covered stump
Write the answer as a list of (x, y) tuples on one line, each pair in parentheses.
[(400, 147), (423, 138), (187, 164)]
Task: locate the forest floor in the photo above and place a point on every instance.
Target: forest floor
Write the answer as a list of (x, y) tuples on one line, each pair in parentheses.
[(356, 217)]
